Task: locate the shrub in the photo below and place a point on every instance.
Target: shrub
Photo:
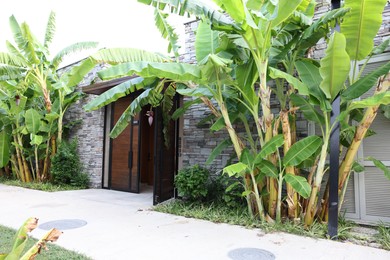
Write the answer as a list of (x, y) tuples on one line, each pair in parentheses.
[(66, 167), (227, 190), (191, 183)]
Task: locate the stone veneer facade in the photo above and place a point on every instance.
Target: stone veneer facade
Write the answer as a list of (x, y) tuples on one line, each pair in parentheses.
[(90, 133), (197, 141)]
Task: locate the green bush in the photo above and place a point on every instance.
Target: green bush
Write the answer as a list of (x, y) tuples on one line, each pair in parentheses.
[(66, 167), (227, 190), (192, 182)]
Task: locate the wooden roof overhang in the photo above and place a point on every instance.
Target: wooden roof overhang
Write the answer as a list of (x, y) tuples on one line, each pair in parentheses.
[(100, 87)]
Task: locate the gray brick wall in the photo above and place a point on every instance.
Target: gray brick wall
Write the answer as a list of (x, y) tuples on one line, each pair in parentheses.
[(90, 133)]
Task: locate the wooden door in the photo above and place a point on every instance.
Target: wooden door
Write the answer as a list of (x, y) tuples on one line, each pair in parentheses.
[(124, 166), (165, 159)]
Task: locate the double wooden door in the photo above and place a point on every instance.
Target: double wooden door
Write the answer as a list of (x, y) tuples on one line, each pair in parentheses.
[(142, 153)]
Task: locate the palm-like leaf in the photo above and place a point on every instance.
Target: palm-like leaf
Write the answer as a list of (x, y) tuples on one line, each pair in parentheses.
[(167, 31), (206, 41), (8, 72), (361, 26), (29, 47), (192, 7), (12, 60), (235, 8), (167, 105), (50, 29), (364, 84), (149, 96), (17, 33), (334, 66), (4, 148), (320, 28), (119, 91), (173, 71), (284, 10), (121, 55), (70, 50)]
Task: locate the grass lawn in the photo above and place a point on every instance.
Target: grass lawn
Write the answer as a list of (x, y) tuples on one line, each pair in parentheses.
[(54, 252), (220, 213), (45, 186)]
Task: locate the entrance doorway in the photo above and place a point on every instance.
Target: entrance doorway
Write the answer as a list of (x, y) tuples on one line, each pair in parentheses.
[(142, 158)]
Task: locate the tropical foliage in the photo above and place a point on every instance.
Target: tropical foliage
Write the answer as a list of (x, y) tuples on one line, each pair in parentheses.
[(238, 51), (34, 97)]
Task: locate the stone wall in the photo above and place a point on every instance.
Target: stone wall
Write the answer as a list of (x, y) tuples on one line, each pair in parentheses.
[(90, 133)]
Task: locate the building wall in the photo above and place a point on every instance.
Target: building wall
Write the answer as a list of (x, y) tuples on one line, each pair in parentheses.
[(90, 133)]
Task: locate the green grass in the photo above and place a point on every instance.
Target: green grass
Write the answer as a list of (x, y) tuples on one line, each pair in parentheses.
[(384, 236), (44, 186), (219, 213), (54, 252)]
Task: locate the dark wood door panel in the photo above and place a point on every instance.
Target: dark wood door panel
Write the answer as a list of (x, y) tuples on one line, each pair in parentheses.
[(120, 149)]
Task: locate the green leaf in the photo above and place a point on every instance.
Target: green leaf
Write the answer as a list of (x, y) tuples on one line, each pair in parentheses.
[(173, 71), (36, 139), (302, 150), (29, 47), (33, 120), (149, 96), (310, 76), (12, 60), (118, 91), (218, 150), (246, 76), (361, 25), (206, 41), (235, 169), (334, 66), (357, 167), (50, 29), (270, 147), (74, 48), (364, 84), (124, 55), (167, 31), (218, 125), (380, 166), (320, 28), (235, 8), (268, 168), (199, 91), (307, 109), (381, 47), (77, 73), (284, 10), (302, 88), (247, 158), (181, 110), (299, 184), (385, 109), (4, 148), (376, 100)]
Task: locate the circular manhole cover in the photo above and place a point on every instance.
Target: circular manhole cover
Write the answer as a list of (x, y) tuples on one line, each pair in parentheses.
[(250, 254), (63, 224)]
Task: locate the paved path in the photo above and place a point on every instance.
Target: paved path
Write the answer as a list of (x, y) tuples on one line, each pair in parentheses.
[(120, 226)]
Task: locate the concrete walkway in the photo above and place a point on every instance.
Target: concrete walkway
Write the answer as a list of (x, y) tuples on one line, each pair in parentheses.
[(120, 226)]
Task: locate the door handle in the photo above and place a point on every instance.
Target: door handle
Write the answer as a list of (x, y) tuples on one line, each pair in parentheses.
[(130, 160)]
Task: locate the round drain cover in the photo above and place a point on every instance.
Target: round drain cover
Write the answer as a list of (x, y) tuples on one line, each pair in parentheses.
[(63, 224), (250, 254)]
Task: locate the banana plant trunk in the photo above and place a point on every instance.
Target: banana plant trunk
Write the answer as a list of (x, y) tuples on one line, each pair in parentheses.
[(292, 196)]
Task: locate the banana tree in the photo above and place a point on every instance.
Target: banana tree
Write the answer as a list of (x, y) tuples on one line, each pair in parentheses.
[(232, 57), (27, 74), (345, 49)]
